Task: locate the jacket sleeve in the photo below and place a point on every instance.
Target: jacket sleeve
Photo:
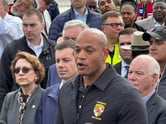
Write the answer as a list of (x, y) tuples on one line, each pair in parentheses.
[(4, 111), (55, 29), (12, 27), (132, 109), (6, 80)]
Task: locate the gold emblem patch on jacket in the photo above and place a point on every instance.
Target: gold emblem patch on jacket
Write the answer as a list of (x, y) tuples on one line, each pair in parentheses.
[(98, 110)]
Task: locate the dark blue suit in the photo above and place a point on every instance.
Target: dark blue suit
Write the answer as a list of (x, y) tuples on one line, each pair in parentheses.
[(47, 109), (53, 77)]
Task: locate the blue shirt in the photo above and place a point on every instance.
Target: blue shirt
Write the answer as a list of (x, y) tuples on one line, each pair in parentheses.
[(81, 17), (146, 98)]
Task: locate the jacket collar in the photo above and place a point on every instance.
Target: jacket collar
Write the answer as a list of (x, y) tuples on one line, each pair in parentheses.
[(102, 82)]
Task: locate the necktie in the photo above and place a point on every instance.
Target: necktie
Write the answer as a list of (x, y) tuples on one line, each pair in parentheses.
[(127, 69)]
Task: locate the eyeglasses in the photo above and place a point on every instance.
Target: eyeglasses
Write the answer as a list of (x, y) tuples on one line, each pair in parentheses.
[(115, 25), (24, 70)]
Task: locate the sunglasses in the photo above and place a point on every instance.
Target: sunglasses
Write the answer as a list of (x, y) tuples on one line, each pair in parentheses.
[(24, 70)]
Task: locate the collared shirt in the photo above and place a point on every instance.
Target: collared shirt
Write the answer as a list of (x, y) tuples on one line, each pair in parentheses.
[(156, 24), (123, 69), (97, 103), (146, 98), (61, 84), (10, 29), (81, 17), (37, 48)]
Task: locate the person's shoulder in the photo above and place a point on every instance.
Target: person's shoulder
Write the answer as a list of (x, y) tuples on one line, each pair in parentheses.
[(48, 41), (72, 82), (11, 94), (63, 15), (118, 82), (119, 64), (16, 43), (91, 13), (160, 101), (12, 18), (144, 20), (52, 67), (51, 89), (51, 42)]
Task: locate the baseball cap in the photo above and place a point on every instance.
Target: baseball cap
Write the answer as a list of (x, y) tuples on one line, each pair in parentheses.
[(159, 33)]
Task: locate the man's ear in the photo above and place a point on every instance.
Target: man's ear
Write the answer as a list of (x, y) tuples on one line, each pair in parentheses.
[(155, 78), (43, 26), (102, 27), (106, 52), (6, 8)]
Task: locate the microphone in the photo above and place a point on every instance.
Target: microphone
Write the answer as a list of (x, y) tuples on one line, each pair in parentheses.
[(141, 11)]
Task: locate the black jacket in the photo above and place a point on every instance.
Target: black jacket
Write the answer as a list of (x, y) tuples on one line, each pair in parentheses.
[(93, 21), (109, 100), (6, 81)]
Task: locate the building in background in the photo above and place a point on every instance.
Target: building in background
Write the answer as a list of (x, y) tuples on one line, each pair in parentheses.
[(62, 4)]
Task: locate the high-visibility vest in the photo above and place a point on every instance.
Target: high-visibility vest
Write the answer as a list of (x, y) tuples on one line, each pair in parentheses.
[(116, 57)]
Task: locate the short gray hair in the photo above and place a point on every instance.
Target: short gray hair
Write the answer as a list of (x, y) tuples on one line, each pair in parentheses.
[(154, 66), (74, 23)]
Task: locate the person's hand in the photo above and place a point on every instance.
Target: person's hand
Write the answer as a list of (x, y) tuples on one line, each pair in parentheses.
[(139, 18)]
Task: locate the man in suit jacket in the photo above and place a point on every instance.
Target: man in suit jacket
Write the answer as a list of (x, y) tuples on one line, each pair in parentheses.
[(33, 42), (124, 38), (158, 17), (144, 73), (79, 11), (66, 69), (157, 39), (71, 30)]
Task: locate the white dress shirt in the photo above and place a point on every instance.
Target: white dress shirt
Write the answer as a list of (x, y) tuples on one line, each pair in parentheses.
[(123, 69), (47, 21), (36, 48), (10, 29)]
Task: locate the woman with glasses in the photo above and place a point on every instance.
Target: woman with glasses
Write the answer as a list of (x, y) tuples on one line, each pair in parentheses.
[(19, 106)]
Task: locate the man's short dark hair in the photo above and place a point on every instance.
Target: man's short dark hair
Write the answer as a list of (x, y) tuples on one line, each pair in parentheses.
[(34, 11), (126, 31), (65, 44), (133, 3)]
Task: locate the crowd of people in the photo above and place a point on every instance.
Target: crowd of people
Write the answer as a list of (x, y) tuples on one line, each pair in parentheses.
[(99, 62)]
